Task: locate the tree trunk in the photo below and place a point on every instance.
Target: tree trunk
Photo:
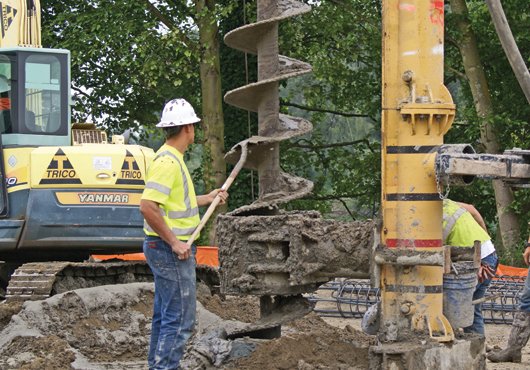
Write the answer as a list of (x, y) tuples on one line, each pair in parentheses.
[(212, 110), (508, 220)]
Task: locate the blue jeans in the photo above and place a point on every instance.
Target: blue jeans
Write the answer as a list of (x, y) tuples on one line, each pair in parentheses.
[(480, 291), (524, 301), (175, 303)]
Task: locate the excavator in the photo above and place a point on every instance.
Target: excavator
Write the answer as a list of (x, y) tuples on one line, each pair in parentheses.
[(65, 193)]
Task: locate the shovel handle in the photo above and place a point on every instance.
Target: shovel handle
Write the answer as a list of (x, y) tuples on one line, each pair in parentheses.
[(489, 298), (226, 185), (210, 209)]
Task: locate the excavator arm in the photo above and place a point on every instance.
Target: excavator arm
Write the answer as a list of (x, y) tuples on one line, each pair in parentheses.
[(21, 23)]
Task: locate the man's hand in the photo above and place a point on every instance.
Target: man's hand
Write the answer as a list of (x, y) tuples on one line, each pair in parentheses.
[(526, 256), (204, 200), (182, 249), (222, 195), (485, 272)]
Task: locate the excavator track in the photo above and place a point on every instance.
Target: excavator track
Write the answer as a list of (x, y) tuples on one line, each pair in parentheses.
[(41, 280)]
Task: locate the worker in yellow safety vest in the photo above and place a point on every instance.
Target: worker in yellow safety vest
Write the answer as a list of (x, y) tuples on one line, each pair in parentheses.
[(462, 225), (170, 209)]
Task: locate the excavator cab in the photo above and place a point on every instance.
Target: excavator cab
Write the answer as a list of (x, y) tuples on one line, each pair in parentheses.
[(34, 102), (34, 96)]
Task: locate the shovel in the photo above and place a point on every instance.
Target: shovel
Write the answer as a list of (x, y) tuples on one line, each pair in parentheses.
[(226, 185)]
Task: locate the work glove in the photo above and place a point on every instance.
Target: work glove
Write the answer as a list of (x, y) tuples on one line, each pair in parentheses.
[(484, 272)]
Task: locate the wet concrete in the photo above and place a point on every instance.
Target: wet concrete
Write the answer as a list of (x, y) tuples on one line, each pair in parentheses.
[(290, 253)]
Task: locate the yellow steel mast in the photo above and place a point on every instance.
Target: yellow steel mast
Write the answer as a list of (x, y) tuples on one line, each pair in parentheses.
[(417, 111)]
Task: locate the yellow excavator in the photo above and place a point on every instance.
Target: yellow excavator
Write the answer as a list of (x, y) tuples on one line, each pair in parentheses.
[(66, 193)]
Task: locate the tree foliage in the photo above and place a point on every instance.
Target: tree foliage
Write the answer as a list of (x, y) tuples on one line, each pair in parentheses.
[(511, 112), (236, 67), (342, 42), (125, 63), (342, 98)]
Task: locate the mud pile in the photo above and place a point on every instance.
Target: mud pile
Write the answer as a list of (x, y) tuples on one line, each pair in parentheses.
[(71, 330), (108, 328), (308, 343)]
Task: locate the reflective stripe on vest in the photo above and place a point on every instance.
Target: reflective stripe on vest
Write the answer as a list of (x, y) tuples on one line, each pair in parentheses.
[(158, 187), (174, 215), (176, 231), (451, 221), (180, 214)]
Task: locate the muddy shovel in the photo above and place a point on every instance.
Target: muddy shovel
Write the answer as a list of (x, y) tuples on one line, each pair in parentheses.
[(226, 185)]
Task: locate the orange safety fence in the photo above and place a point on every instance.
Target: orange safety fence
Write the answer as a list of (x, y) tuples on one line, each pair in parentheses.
[(205, 256), (209, 256), (123, 257), (511, 271)]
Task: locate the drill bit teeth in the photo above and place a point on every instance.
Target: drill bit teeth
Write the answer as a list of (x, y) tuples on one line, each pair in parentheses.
[(261, 38)]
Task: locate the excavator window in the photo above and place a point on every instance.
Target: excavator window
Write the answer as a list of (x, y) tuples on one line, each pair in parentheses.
[(5, 94), (34, 96), (43, 93)]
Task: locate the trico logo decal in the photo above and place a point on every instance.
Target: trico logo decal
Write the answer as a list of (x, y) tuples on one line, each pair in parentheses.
[(60, 171), (106, 198), (130, 173), (8, 14)]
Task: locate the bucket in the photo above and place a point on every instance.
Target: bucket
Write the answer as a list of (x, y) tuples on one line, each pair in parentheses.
[(457, 297)]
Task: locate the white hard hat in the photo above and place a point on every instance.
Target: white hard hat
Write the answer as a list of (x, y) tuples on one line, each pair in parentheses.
[(177, 112)]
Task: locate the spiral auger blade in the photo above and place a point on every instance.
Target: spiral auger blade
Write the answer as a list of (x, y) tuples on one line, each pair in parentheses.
[(261, 38)]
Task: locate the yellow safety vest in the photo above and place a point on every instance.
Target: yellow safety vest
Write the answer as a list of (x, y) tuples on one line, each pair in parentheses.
[(169, 184), (459, 227)]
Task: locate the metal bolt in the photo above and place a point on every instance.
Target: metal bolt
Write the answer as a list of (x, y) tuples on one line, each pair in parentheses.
[(405, 309), (438, 117), (422, 117), (407, 76), (385, 230), (405, 116)]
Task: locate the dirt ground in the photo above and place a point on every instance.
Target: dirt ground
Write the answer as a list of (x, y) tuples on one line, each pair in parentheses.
[(108, 328), (496, 337)]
